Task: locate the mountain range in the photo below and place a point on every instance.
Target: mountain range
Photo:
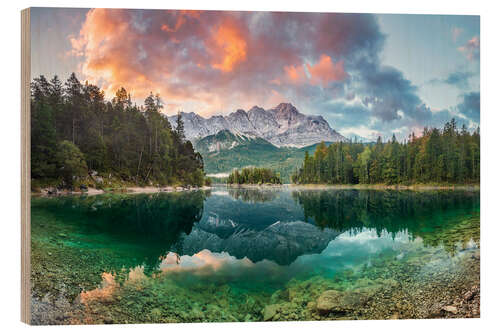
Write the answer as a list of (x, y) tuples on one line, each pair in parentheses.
[(276, 138), (226, 150), (283, 126)]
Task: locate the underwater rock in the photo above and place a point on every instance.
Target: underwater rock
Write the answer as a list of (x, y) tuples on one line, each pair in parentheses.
[(196, 314), (450, 308), (358, 297), (394, 316), (156, 313), (468, 295), (471, 294), (270, 311), (329, 301), (350, 300), (280, 295)]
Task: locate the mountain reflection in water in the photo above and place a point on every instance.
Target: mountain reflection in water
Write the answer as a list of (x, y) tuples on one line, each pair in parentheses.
[(277, 225)]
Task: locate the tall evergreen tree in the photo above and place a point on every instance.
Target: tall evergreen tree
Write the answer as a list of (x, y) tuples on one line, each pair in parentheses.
[(180, 127), (446, 155), (134, 144)]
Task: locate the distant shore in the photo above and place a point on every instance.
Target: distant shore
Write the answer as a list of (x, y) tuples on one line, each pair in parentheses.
[(254, 185), (415, 187)]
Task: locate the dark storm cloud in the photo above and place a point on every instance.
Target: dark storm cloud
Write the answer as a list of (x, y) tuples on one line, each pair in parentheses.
[(388, 91), (341, 115), (470, 106), (459, 79)]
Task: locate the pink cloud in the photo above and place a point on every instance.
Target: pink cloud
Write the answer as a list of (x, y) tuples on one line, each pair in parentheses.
[(326, 71), (319, 74), (471, 48), (295, 74), (456, 32), (211, 62)]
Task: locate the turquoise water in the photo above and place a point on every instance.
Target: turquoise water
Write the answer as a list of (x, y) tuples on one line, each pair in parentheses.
[(226, 254)]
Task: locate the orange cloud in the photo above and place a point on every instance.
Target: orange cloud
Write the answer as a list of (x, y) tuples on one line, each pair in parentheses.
[(207, 62), (182, 18), (320, 74), (296, 74), (148, 58), (326, 71), (231, 47), (112, 50)]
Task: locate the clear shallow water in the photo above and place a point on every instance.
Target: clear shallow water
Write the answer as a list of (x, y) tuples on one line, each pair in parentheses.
[(227, 254)]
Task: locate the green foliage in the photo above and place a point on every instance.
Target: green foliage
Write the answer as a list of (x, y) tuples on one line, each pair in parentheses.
[(254, 176), (133, 143), (208, 181), (70, 162), (438, 156), (179, 129), (44, 141)]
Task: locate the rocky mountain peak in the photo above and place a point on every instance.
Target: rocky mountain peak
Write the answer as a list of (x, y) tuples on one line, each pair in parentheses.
[(240, 112), (285, 108), (256, 108), (282, 125)]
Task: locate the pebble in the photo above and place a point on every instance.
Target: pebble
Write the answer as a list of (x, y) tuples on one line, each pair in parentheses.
[(450, 308), (469, 295)]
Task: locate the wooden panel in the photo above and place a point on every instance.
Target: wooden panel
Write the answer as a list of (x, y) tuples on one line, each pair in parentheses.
[(25, 167)]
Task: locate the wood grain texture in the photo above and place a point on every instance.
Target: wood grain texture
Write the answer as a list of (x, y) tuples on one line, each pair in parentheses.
[(25, 167)]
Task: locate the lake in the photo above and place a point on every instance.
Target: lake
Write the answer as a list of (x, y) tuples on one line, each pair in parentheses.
[(255, 254)]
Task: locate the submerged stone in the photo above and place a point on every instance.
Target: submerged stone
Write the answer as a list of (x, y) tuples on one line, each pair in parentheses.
[(329, 301), (270, 311), (156, 314), (450, 308), (359, 297)]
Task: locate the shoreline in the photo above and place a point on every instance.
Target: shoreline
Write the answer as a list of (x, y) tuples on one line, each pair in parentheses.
[(128, 190), (256, 186), (48, 192), (414, 187)]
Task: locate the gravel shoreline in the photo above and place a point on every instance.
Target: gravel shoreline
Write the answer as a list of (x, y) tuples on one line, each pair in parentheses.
[(137, 189)]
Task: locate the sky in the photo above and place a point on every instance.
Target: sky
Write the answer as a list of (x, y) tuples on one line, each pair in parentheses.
[(366, 74)]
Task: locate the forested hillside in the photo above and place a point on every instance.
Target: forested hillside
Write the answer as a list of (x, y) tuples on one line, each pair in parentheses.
[(447, 155), (76, 133), (226, 151)]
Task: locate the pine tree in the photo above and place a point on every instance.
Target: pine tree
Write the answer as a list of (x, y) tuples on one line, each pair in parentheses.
[(437, 156), (133, 143), (180, 127)]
